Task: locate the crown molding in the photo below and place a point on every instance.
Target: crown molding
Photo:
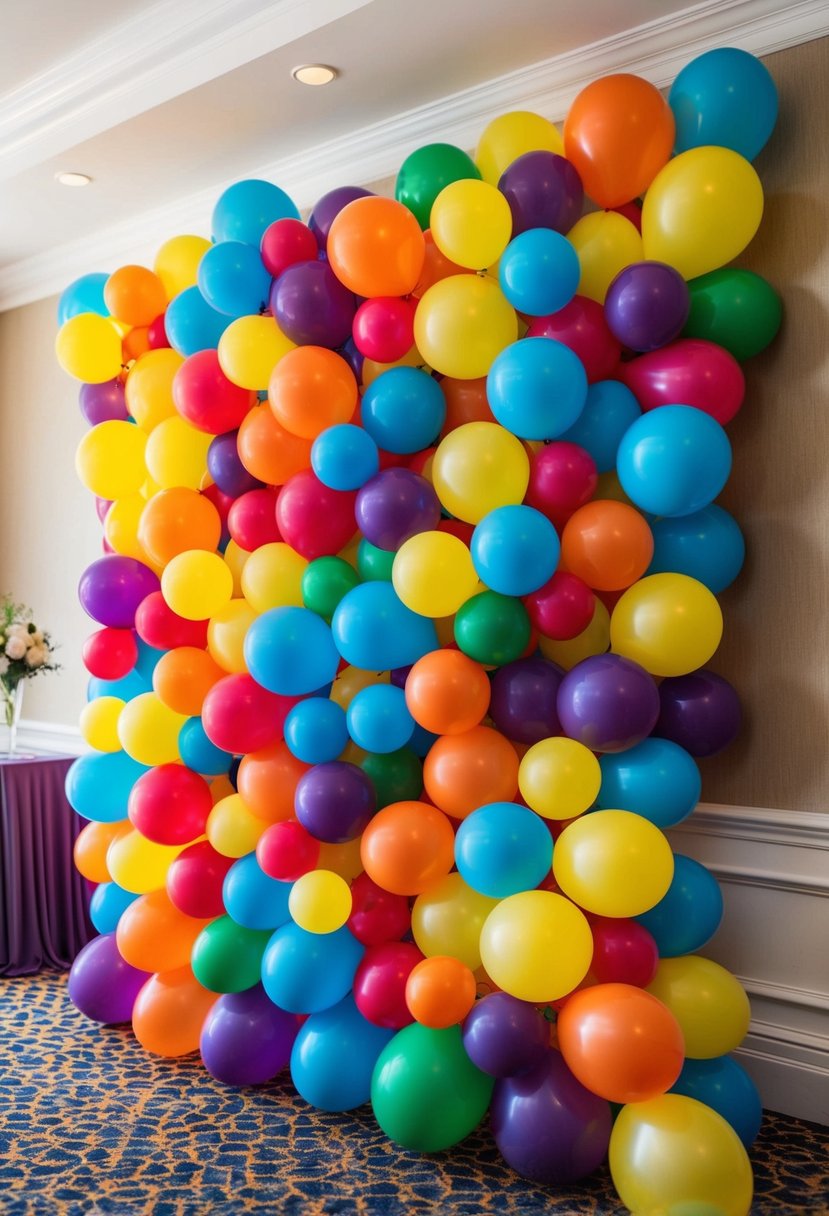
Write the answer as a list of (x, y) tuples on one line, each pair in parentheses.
[(656, 51)]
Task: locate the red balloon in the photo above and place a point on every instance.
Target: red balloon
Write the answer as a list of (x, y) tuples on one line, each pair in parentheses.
[(383, 328), (195, 879), (221, 501), (376, 914), (239, 715), (313, 519), (624, 952), (110, 654), (160, 627), (170, 804), (690, 371), (582, 326), (285, 851), (251, 519), (286, 242), (380, 983), (563, 477), (562, 608), (205, 397), (157, 333)]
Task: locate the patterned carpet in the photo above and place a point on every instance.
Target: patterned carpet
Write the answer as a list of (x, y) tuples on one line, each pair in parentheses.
[(89, 1123)]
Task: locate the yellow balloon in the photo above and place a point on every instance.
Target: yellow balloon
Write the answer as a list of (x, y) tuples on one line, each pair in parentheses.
[(121, 528), (236, 558), (448, 918), (709, 1003), (176, 454), (272, 577), (320, 901), (149, 387), (197, 584), (670, 624), (99, 723), (249, 350), (177, 262), (477, 467), (232, 829), (462, 324), (88, 347), (595, 639), (433, 574), (559, 778), (613, 863), (110, 459), (701, 210), (148, 730), (606, 243), (608, 486), (471, 223), (226, 635), (372, 369), (510, 136), (536, 946), (139, 865), (344, 859), (352, 680)]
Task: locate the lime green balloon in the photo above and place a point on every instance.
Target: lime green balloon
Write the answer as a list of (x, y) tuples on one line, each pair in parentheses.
[(426, 1092), (492, 628), (324, 583), (227, 957), (425, 172), (735, 308), (396, 776), (374, 564)]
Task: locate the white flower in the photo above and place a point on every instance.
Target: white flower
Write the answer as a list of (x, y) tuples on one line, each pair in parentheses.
[(16, 647), (4, 664), (36, 656), (18, 631)]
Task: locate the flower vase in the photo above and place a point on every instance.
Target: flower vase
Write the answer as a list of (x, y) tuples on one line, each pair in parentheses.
[(12, 705)]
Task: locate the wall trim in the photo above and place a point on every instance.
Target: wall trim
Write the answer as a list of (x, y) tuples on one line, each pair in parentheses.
[(48, 738)]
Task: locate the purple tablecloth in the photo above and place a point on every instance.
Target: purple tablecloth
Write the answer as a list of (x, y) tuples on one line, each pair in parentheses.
[(44, 901)]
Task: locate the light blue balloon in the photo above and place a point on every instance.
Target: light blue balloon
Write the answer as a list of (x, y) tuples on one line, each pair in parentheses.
[(106, 905), (147, 660), (503, 848), (674, 460), (726, 1087), (725, 97), (379, 720), (315, 730), (537, 388), (344, 457), (657, 779), (247, 208), (306, 972), (252, 898), (374, 629), (291, 651), (191, 324), (689, 913), (403, 410), (609, 410), (334, 1055), (233, 279), (539, 272), (98, 785), (198, 753), (707, 545), (85, 294), (129, 686), (515, 549)]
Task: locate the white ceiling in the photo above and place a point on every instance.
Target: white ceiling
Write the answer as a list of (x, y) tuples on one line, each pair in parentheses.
[(164, 102)]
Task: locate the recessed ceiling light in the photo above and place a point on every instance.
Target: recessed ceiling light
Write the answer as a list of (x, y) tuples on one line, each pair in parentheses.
[(73, 179), (314, 73)]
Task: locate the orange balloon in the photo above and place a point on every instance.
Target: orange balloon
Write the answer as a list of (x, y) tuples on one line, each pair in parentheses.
[(134, 295), (407, 847), (607, 544), (169, 1013), (440, 991), (466, 401), (183, 677), (176, 520), (136, 343), (620, 1042), (618, 134), (312, 388), (221, 787), (90, 849), (268, 451), (463, 772), (267, 780), (376, 247), (447, 693), (436, 266), (154, 936)]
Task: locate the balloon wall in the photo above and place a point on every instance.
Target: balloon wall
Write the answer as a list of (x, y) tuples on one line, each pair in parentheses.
[(404, 620)]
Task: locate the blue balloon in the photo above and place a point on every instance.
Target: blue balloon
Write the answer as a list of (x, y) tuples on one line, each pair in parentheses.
[(191, 324), (725, 97), (315, 730), (252, 898), (537, 388), (515, 549), (291, 651), (106, 905), (403, 410), (85, 294), (147, 659), (233, 279), (247, 208), (503, 848), (198, 753), (707, 545), (689, 913), (674, 460), (539, 272), (98, 785), (379, 720), (609, 410), (422, 740), (129, 686), (657, 779), (334, 1055), (374, 629), (344, 457), (306, 972), (726, 1087)]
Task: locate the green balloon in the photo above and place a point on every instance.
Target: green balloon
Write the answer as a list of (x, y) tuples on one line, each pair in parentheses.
[(492, 628), (324, 583), (735, 308), (396, 776), (426, 1092), (374, 564), (424, 174), (227, 957)]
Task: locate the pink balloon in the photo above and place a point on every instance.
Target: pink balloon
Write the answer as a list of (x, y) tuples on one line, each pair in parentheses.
[(376, 914), (313, 519), (562, 608), (380, 983), (195, 878), (563, 478), (251, 520), (581, 325), (689, 371), (240, 715), (286, 851), (383, 328), (624, 952), (286, 242), (205, 397)]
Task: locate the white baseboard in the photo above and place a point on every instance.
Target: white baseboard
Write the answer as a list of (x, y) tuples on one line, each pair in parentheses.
[(47, 738)]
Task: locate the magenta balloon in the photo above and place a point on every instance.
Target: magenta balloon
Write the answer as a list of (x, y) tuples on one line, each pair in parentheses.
[(583, 327), (246, 1039), (112, 588), (101, 984), (690, 371), (104, 402), (311, 305), (314, 519)]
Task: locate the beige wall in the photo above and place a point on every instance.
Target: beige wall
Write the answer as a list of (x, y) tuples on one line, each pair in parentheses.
[(775, 648)]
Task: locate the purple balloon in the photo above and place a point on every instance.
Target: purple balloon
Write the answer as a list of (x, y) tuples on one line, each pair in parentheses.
[(311, 305), (395, 505), (608, 703), (246, 1039), (543, 191), (225, 467), (548, 1127), (329, 207), (700, 711), (523, 704), (354, 358), (111, 589), (647, 304), (104, 402), (101, 984), (504, 1036), (334, 801)]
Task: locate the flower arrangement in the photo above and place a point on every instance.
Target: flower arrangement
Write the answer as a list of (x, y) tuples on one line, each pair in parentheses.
[(25, 651)]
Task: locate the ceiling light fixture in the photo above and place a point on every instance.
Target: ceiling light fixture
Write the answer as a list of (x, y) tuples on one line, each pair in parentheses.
[(73, 179), (314, 73)]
